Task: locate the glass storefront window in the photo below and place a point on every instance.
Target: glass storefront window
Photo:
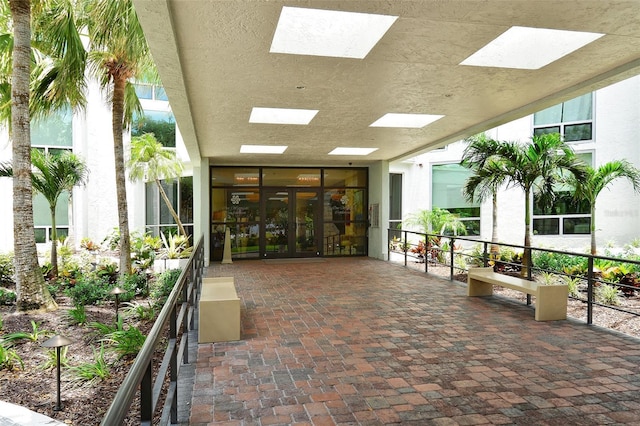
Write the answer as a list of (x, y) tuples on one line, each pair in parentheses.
[(291, 177), (235, 205), (344, 204), (235, 176), (287, 212), (345, 177)]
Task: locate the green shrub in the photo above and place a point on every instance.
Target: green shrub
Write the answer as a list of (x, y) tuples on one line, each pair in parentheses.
[(139, 311), (559, 262), (6, 270), (107, 270), (89, 291), (52, 358), (125, 342), (7, 297), (133, 284), (105, 329), (572, 284), (76, 315), (9, 358), (607, 294), (90, 371), (164, 285), (34, 335)]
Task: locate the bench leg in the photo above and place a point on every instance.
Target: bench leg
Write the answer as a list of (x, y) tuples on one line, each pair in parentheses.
[(478, 288), (551, 302)]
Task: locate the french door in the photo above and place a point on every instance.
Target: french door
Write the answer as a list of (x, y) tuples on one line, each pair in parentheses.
[(291, 225)]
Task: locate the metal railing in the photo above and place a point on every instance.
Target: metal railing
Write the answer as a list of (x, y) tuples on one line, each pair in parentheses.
[(178, 314), (446, 250)]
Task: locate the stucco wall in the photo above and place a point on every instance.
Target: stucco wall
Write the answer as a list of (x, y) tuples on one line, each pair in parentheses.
[(616, 130)]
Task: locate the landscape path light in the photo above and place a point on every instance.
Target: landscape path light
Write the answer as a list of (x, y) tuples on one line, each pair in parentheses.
[(117, 291), (57, 342)]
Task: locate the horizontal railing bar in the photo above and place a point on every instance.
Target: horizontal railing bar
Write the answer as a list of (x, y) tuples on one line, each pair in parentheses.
[(162, 372), (166, 410)]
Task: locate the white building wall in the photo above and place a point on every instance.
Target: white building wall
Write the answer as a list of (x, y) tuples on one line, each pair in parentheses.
[(616, 130)]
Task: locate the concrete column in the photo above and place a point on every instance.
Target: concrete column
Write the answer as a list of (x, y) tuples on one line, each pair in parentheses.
[(379, 194)]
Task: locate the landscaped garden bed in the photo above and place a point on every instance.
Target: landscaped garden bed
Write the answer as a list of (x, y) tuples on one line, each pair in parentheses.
[(103, 345)]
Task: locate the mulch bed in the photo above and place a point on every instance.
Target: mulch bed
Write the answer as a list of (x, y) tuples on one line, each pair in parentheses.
[(84, 403)]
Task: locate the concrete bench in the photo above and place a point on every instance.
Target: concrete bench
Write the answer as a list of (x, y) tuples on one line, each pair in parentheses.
[(551, 300), (218, 311)]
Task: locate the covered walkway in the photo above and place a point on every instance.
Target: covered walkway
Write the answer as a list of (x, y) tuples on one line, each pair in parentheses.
[(366, 342)]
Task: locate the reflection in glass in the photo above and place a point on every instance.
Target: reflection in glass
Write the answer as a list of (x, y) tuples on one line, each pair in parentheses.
[(306, 207), (291, 177), (345, 177), (277, 221), (235, 205), (245, 239), (235, 176)]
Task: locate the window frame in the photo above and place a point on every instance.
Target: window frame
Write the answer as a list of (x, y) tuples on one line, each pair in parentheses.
[(562, 217), (474, 219), (562, 125)]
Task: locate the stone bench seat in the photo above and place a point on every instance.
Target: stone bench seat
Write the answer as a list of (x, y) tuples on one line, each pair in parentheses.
[(218, 311), (551, 300)]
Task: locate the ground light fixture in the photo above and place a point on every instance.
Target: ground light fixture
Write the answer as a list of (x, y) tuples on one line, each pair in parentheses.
[(117, 291), (57, 342)]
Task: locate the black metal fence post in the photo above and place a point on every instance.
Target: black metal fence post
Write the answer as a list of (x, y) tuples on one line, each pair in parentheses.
[(485, 255), (527, 254), (452, 242), (590, 279), (405, 248)]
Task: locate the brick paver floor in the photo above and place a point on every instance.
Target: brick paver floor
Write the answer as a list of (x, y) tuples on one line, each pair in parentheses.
[(366, 342)]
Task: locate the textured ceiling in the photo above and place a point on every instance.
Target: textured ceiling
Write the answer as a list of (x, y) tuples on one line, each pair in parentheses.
[(214, 61)]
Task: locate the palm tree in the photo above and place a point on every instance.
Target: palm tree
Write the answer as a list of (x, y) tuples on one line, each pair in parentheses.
[(54, 175), (479, 157), (541, 165), (31, 290), (436, 220), (150, 160), (598, 179), (118, 53)]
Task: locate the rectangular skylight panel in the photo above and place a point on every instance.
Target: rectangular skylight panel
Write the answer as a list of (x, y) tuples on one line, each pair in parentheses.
[(352, 151), (282, 115), (338, 34), (263, 149), (529, 48), (413, 121)]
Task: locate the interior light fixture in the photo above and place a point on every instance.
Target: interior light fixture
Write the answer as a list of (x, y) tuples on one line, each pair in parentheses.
[(333, 33), (282, 115), (414, 121), (352, 151), (262, 149), (529, 48)]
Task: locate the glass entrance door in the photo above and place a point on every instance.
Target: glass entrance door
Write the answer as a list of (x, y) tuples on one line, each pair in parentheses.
[(291, 222)]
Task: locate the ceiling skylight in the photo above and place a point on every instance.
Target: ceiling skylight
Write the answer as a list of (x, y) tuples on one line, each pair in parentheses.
[(414, 121), (352, 151), (262, 149), (282, 115), (332, 33), (529, 48)]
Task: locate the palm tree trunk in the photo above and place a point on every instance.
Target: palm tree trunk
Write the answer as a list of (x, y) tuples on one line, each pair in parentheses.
[(30, 286), (54, 243), (594, 249), (121, 189), (495, 250), (527, 233), (163, 194)]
